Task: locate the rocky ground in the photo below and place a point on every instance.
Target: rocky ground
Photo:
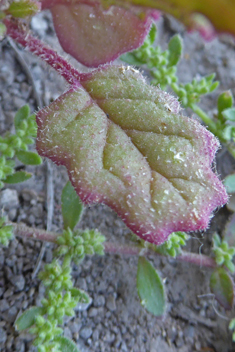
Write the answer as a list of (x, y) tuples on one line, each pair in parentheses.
[(114, 320)]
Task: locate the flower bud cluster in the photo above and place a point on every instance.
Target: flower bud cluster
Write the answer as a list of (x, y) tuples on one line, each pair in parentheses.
[(162, 66), (174, 244), (60, 299), (46, 331), (172, 247), (158, 62), (25, 130), (56, 277), (10, 144), (78, 244), (6, 232), (190, 93), (223, 253)]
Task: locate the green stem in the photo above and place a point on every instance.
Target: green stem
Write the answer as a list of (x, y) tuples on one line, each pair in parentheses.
[(206, 119)]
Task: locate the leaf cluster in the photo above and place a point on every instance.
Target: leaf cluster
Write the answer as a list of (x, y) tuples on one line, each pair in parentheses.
[(16, 145), (224, 253), (61, 297), (80, 243), (172, 247), (162, 66), (225, 117), (6, 232)]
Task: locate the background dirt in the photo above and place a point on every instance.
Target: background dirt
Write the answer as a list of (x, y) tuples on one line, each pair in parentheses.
[(114, 321)]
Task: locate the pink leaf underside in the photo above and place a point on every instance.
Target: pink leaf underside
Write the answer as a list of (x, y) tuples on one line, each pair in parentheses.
[(95, 36), (125, 144)]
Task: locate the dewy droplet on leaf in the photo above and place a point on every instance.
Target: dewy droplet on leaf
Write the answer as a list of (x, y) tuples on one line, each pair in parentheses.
[(148, 163)]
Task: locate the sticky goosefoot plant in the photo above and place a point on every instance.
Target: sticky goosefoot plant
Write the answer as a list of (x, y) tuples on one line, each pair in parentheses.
[(124, 143)]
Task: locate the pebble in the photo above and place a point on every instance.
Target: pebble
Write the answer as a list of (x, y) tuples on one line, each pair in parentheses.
[(28, 194), (95, 335), (99, 301), (39, 24), (49, 255), (18, 102), (18, 281), (67, 333), (111, 303), (19, 345), (6, 75), (12, 214), (92, 312), (4, 305), (10, 315), (3, 336), (81, 284), (31, 219), (9, 198), (9, 292), (83, 306), (85, 333), (74, 326)]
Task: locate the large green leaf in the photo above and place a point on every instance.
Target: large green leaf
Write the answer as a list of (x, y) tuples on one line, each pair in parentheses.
[(222, 286), (17, 177), (72, 206), (22, 114), (66, 345), (27, 319), (150, 288), (125, 144), (29, 158)]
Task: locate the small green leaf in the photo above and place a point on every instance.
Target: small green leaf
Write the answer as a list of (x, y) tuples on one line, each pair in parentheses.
[(213, 86), (175, 48), (72, 206), (27, 319), (152, 34), (229, 114), (221, 284), (29, 158), (3, 30), (229, 183), (22, 114), (18, 177), (23, 8), (150, 288), (130, 59), (225, 101), (66, 345), (228, 132)]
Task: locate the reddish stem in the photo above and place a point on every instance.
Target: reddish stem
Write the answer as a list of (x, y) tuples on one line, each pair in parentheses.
[(198, 259), (22, 230), (193, 258), (38, 48)]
